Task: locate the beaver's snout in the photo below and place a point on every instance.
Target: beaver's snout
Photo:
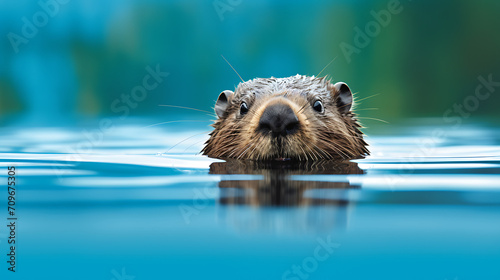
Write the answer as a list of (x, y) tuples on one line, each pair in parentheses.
[(278, 120)]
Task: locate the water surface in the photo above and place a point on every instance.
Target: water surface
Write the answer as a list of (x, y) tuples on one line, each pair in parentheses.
[(138, 201)]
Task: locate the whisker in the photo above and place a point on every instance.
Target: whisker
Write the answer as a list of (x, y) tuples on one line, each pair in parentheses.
[(305, 154), (188, 108), (363, 109), (361, 99), (204, 132), (233, 68), (336, 149), (375, 119), (176, 122), (234, 149), (315, 152), (326, 66), (197, 142), (255, 146), (323, 151), (347, 104), (249, 145)]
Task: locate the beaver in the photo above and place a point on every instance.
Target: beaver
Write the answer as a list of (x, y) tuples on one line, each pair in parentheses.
[(294, 118)]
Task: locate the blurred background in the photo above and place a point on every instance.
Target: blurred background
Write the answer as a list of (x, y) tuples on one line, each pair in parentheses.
[(62, 61)]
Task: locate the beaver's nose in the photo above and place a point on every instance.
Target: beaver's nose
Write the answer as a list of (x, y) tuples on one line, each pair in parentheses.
[(279, 119)]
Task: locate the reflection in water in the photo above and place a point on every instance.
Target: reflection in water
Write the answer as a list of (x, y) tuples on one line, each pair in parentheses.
[(275, 188)]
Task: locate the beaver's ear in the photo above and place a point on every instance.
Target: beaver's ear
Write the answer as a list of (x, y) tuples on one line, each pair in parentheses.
[(343, 97), (222, 102)]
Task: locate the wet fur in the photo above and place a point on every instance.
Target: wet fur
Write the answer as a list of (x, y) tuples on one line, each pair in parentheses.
[(328, 135)]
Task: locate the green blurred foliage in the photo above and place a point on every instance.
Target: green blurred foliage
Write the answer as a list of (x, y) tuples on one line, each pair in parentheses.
[(10, 102), (426, 59)]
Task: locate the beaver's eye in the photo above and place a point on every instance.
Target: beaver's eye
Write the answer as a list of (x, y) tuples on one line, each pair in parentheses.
[(243, 108), (318, 106)]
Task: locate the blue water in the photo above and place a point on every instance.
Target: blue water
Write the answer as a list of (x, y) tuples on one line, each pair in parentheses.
[(138, 202)]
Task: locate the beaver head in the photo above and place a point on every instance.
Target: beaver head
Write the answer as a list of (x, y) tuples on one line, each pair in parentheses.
[(299, 117)]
